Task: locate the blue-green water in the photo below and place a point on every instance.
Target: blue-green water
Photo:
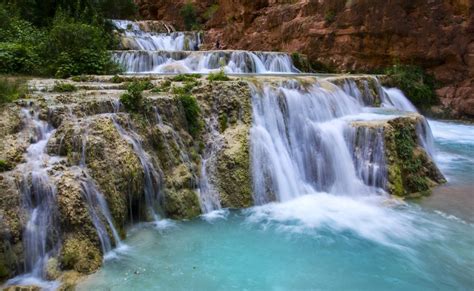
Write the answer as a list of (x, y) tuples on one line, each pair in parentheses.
[(315, 242)]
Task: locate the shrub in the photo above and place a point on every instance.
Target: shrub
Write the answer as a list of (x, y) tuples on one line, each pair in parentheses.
[(117, 79), (77, 48), (192, 113), (132, 100), (12, 89), (185, 77), (17, 58), (64, 87), (219, 76), (4, 166), (189, 15), (414, 82)]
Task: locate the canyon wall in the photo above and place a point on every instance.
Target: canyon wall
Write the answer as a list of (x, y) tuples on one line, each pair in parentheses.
[(347, 35)]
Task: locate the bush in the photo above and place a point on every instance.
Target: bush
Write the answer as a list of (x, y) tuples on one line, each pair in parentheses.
[(117, 79), (185, 77), (414, 82), (133, 99), (77, 48), (4, 166), (192, 113), (17, 58), (189, 15), (12, 89), (220, 76), (64, 87)]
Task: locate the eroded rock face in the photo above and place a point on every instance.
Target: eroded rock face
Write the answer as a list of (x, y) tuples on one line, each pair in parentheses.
[(409, 170), (360, 35)]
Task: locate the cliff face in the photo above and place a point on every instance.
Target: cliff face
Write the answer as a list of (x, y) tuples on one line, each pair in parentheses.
[(350, 35)]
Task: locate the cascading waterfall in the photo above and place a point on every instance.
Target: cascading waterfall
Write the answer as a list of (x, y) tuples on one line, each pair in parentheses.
[(134, 38), (183, 155), (208, 195), (234, 62), (394, 98), (98, 211), (301, 145), (41, 234), (369, 155), (97, 206), (152, 178)]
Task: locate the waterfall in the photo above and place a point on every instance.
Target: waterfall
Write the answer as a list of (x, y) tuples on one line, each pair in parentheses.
[(153, 178), (369, 155), (301, 145), (394, 98), (99, 210), (134, 38), (235, 62), (38, 196), (208, 195)]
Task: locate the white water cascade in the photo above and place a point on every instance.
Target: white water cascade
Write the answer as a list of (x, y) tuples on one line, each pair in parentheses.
[(208, 195), (134, 38), (153, 178), (41, 234), (177, 52), (301, 143)]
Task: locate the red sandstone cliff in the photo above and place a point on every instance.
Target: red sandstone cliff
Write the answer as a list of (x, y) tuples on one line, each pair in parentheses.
[(351, 35)]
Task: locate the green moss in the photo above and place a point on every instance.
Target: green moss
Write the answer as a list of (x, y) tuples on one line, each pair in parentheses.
[(80, 254), (182, 204), (62, 87), (411, 164)]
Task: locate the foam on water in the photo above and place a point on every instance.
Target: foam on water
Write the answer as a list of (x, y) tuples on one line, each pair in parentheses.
[(372, 218)]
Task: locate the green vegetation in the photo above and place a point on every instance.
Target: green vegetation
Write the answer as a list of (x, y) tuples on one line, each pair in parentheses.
[(219, 76), (117, 79), (185, 77), (133, 98), (223, 122), (164, 87), (210, 11), (330, 16), (192, 113), (414, 82), (189, 14), (12, 89), (4, 166), (412, 167), (64, 87), (59, 38)]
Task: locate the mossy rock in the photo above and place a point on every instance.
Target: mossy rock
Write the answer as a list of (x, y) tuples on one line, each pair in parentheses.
[(80, 254), (182, 204)]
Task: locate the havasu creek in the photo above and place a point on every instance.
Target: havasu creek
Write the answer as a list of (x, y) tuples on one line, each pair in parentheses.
[(226, 169)]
